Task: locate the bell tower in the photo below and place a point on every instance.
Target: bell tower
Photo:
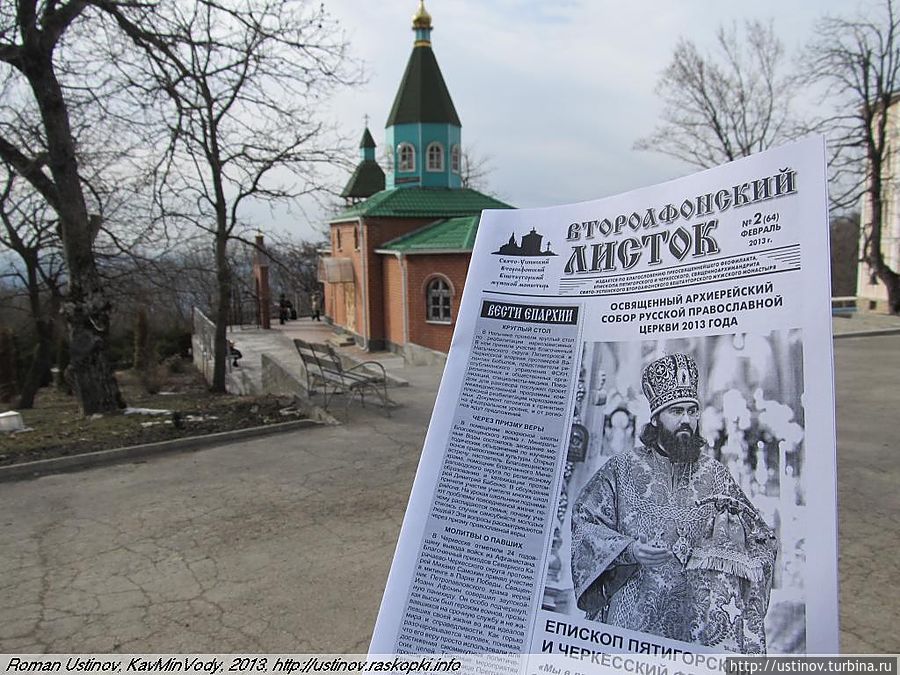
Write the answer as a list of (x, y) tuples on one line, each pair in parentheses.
[(423, 131)]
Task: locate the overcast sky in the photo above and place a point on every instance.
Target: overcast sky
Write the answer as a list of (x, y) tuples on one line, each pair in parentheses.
[(555, 93)]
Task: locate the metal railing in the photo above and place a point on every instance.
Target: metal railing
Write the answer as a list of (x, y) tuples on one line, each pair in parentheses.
[(204, 345), (843, 305)]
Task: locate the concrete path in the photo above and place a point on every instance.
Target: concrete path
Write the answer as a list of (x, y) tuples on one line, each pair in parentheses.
[(868, 398), (865, 323), (283, 544), (278, 343), (275, 545)]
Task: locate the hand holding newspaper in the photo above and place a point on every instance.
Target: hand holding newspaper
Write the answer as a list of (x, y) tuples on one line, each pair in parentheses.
[(633, 448)]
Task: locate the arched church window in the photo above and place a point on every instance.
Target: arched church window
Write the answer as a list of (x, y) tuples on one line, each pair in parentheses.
[(437, 300), (435, 157), (406, 157), (454, 159)]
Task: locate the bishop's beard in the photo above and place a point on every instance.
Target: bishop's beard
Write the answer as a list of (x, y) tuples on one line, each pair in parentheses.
[(682, 446)]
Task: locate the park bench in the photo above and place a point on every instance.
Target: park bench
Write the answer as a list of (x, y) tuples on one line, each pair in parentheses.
[(326, 371)]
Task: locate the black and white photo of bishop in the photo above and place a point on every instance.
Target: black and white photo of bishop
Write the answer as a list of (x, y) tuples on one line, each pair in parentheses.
[(664, 540)]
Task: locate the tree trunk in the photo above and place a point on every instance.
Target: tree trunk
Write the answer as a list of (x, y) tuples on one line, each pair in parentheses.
[(8, 375), (874, 255), (141, 354), (39, 369), (223, 271), (223, 291), (87, 309), (891, 281)]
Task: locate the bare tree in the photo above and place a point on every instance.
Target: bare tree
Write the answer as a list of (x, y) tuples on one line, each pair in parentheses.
[(244, 82), (295, 269), (167, 285), (858, 63), (31, 39), (30, 231), (724, 105), (474, 169)]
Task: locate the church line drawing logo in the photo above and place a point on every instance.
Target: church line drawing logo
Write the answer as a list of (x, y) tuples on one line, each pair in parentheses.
[(531, 246)]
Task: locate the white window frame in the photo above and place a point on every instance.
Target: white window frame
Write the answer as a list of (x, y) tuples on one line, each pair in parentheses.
[(439, 296), (435, 151), (455, 159), (407, 163)]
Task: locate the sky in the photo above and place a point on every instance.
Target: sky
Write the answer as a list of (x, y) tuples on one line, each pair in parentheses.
[(555, 94)]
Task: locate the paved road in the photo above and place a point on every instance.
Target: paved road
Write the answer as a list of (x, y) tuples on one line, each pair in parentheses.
[(277, 545), (283, 544), (868, 399)]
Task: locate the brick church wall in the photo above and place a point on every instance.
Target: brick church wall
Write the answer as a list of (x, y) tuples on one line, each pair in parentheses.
[(420, 270), (394, 299), (342, 246), (385, 285)]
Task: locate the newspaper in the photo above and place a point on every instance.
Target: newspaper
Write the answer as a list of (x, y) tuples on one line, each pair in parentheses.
[(633, 446)]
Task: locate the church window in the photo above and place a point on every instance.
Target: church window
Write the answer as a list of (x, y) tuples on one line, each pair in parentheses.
[(454, 159), (435, 157), (437, 300), (406, 157)]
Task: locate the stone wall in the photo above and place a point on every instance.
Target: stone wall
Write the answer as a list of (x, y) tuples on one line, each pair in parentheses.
[(278, 379)]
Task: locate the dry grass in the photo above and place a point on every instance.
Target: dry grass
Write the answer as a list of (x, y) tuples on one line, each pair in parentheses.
[(58, 427)]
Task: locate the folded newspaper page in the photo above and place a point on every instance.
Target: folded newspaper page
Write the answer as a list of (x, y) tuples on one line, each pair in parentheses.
[(633, 446)]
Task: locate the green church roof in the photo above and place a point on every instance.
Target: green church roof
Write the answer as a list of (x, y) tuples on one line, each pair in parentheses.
[(367, 140), (422, 203), (423, 95), (443, 236), (367, 179)]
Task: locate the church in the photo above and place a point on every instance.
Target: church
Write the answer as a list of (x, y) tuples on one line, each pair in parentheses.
[(400, 250)]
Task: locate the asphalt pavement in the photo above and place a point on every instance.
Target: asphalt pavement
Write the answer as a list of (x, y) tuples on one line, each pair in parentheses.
[(283, 544)]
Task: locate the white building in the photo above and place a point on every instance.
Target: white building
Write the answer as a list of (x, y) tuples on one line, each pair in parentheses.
[(872, 293)]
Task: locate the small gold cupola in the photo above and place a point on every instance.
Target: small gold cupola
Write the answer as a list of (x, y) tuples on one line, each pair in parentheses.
[(421, 24)]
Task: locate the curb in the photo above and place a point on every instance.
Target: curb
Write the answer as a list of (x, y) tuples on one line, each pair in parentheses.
[(86, 460), (868, 333), (395, 380)]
